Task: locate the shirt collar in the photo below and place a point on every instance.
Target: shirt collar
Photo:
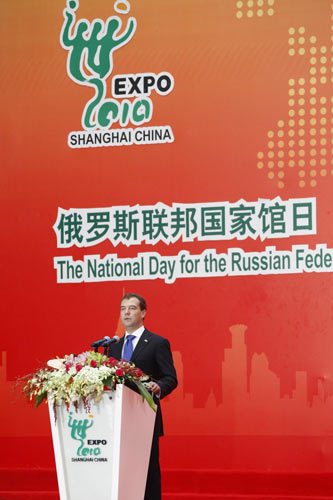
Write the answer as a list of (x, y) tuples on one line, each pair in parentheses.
[(137, 332)]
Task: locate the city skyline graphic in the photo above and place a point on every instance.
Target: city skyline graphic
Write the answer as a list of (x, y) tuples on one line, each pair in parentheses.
[(251, 401)]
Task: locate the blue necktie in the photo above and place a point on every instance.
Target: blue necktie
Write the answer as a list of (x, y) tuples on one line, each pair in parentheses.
[(128, 347)]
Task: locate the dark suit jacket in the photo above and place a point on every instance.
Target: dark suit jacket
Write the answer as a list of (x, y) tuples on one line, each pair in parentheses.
[(153, 356)]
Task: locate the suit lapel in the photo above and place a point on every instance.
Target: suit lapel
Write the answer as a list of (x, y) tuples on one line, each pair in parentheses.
[(117, 348), (141, 345)]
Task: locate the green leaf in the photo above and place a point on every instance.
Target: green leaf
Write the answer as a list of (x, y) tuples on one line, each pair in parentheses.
[(145, 394), (40, 398), (108, 382)]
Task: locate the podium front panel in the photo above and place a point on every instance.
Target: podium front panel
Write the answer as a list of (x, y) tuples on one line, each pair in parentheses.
[(84, 449), (104, 453)]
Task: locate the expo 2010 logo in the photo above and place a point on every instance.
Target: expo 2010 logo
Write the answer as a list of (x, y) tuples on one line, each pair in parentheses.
[(91, 47)]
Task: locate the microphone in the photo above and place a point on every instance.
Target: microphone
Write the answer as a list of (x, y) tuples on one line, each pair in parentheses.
[(109, 341), (98, 343)]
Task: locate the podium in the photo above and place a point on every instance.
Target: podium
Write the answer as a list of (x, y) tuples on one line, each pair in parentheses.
[(103, 454)]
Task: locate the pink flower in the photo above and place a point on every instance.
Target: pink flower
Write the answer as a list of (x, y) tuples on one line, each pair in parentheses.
[(93, 363), (119, 372), (68, 367), (79, 367)]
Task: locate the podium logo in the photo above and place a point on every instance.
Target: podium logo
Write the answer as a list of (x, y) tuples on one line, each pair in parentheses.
[(91, 47), (79, 429)]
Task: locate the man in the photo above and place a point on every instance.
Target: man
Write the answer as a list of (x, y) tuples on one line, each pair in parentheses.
[(152, 354)]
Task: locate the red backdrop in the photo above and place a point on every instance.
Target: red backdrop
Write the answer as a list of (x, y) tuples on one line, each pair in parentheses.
[(251, 116)]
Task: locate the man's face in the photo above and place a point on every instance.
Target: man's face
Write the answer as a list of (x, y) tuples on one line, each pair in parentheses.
[(131, 314)]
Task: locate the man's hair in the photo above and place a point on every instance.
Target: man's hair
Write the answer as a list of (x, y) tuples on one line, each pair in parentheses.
[(142, 302)]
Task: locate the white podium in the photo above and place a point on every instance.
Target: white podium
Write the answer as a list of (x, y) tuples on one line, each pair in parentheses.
[(103, 454)]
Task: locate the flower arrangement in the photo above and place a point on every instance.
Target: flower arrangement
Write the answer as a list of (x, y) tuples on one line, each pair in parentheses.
[(83, 377)]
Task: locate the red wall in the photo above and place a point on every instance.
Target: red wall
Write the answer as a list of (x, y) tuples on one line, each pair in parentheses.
[(251, 121)]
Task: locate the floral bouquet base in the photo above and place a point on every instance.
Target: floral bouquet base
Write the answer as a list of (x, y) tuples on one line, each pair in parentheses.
[(83, 377)]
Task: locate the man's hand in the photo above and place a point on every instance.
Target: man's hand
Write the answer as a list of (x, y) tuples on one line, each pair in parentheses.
[(153, 387)]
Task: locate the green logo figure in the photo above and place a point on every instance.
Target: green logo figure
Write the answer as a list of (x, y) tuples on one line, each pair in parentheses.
[(79, 433), (90, 48)]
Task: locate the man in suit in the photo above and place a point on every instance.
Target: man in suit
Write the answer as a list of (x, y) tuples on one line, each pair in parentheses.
[(152, 354)]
